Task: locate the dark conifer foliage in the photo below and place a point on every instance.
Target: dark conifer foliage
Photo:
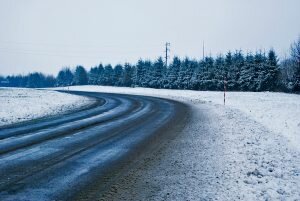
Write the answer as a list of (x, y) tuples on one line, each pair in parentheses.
[(118, 75), (128, 76), (251, 72), (65, 77), (32, 80), (80, 76)]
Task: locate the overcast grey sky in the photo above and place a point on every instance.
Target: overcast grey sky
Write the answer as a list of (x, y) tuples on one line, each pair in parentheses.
[(45, 35)]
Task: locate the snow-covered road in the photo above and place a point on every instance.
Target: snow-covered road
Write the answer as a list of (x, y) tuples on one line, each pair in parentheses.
[(246, 150), (19, 104)]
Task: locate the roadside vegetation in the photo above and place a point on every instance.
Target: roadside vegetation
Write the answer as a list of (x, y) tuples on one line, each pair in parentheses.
[(259, 71)]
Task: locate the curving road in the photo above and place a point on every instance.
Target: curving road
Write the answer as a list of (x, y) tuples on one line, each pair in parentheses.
[(78, 155)]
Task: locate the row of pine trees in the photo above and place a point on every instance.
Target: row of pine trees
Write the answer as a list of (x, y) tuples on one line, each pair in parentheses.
[(251, 72)]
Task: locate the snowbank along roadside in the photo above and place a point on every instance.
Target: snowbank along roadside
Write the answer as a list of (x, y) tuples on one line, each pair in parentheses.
[(19, 104)]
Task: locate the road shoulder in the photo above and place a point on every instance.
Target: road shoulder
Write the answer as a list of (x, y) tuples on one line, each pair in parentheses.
[(221, 154)]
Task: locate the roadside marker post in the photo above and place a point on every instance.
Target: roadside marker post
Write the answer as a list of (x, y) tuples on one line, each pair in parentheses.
[(225, 82)]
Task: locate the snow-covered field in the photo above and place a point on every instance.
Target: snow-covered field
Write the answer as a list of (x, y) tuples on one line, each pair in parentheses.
[(18, 104), (246, 150)]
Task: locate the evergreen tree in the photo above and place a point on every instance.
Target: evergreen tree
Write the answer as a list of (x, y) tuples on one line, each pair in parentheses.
[(80, 76), (219, 72), (36, 80), (247, 76), (208, 75), (68, 77), (271, 80), (140, 73), (158, 74), (49, 81), (107, 76), (93, 75), (261, 68), (172, 74), (60, 79), (148, 74), (100, 73), (65, 77), (230, 72), (118, 75), (238, 63), (128, 75)]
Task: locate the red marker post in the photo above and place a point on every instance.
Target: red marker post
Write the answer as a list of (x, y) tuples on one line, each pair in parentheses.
[(225, 82)]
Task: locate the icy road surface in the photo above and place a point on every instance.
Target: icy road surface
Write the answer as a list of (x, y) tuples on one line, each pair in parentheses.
[(76, 156)]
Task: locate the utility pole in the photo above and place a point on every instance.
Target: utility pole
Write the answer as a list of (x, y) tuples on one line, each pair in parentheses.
[(166, 51)]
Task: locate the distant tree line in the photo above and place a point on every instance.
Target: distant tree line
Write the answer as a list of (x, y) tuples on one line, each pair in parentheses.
[(251, 72), (32, 80)]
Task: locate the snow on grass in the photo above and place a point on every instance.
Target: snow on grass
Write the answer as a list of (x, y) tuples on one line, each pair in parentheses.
[(18, 104), (246, 150)]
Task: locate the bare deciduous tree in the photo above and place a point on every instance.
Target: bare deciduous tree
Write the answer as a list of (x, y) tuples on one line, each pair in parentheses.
[(295, 52)]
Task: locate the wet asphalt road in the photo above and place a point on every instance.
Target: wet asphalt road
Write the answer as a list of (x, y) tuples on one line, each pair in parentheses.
[(76, 156)]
